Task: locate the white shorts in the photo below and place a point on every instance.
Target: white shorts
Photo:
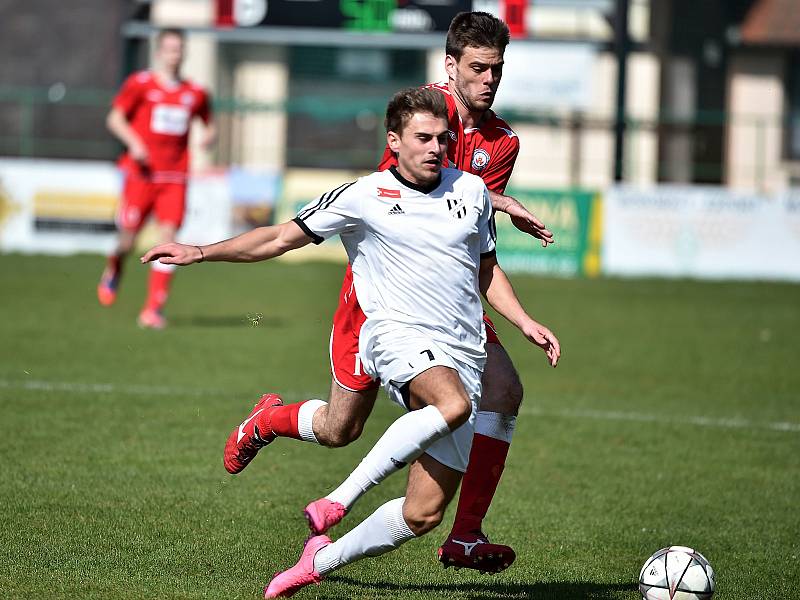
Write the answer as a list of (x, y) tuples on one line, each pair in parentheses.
[(399, 355)]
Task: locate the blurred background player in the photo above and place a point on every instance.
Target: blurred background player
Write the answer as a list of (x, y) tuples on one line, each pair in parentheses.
[(483, 144), (152, 115)]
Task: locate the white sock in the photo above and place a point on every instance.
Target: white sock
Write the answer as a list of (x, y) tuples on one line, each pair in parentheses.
[(159, 266), (381, 532), (305, 419), (495, 425), (405, 441)]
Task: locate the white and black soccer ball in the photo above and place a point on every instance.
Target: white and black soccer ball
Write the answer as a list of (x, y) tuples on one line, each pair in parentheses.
[(676, 573)]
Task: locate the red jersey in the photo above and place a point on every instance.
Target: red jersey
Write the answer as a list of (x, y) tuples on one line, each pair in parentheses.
[(162, 115), (488, 151)]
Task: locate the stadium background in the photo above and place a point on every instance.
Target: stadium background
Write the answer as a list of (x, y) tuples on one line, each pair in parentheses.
[(664, 154)]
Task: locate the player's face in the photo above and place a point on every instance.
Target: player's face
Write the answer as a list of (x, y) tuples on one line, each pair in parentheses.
[(170, 52), (421, 148), (476, 76)]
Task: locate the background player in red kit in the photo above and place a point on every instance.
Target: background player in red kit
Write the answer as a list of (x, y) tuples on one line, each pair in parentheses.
[(152, 115), (483, 144)]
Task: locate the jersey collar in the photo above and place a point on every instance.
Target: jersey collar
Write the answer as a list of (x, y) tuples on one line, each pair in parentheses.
[(423, 189)]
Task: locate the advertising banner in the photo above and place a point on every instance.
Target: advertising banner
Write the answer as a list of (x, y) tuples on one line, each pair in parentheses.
[(574, 218), (706, 232), (64, 207)]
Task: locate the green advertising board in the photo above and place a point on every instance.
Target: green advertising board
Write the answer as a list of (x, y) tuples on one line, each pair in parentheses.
[(574, 218)]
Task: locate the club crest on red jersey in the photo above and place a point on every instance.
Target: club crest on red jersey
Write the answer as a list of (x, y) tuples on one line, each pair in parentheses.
[(187, 98), (387, 193), (452, 135), (480, 158)]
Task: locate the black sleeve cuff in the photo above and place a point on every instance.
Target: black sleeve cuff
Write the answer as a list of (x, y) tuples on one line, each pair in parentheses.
[(489, 254), (314, 237)]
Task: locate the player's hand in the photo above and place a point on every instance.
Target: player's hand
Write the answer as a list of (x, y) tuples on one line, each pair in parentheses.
[(526, 222), (545, 339), (173, 254), (208, 138), (138, 152)]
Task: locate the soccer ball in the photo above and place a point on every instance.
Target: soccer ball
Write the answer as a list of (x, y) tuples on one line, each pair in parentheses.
[(676, 573)]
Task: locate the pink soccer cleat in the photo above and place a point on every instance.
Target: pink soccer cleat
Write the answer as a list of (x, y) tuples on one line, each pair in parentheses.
[(248, 438), (151, 319), (474, 551), (107, 288), (323, 514), (286, 583)]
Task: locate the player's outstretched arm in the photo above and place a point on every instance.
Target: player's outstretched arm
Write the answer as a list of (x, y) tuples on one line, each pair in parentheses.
[(497, 290), (261, 243), (521, 217)]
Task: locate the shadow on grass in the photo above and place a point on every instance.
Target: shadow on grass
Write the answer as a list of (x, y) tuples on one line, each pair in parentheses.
[(578, 590), (256, 320)]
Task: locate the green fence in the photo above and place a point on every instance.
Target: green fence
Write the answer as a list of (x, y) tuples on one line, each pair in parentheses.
[(347, 132)]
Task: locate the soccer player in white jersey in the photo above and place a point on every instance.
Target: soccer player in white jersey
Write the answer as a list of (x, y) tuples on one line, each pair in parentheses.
[(420, 239), (483, 144)]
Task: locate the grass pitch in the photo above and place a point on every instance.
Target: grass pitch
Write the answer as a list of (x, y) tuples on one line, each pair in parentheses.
[(674, 418)]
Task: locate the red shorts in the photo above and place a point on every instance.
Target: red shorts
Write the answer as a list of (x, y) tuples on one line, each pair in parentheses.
[(347, 321), (141, 196)]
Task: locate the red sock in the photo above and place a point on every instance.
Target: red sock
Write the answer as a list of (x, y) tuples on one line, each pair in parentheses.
[(486, 462), (113, 268), (114, 263), (158, 289), (283, 420)]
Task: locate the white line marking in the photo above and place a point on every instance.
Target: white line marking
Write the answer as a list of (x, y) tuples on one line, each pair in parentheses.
[(607, 415), (584, 414), (105, 388)]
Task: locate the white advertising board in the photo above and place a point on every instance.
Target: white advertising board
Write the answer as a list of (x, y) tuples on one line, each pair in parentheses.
[(703, 232), (547, 76), (64, 207)]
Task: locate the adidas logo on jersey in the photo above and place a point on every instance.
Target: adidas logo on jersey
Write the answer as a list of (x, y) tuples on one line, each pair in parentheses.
[(396, 210), (456, 208)]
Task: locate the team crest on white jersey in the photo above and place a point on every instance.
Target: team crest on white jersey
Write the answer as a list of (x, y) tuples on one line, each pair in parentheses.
[(480, 158), (456, 207)]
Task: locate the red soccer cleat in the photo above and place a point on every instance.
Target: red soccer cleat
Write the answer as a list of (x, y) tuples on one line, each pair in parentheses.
[(474, 551), (247, 439), (323, 514), (286, 583)]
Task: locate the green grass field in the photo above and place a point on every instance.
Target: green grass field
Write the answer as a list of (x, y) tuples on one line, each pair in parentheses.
[(674, 418)]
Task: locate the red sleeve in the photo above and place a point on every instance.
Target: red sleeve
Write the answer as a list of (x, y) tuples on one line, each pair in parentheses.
[(204, 107), (498, 171), (128, 96)]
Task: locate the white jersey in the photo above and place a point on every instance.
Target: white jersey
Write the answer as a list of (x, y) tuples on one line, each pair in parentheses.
[(415, 253)]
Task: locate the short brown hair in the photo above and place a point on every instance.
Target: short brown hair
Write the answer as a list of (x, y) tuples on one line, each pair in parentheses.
[(169, 31), (478, 30), (410, 101)]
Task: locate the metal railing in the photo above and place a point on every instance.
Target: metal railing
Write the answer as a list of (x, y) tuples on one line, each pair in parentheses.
[(57, 122)]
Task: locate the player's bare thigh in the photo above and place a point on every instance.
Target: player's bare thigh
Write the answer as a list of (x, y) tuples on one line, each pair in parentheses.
[(431, 487), (342, 420), (502, 389), (441, 387)]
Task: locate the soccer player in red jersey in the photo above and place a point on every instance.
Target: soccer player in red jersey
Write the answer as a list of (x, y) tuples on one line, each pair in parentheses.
[(483, 144), (152, 115)]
